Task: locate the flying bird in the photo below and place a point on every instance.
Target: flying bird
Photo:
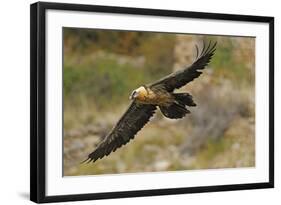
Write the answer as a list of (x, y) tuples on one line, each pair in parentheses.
[(147, 98)]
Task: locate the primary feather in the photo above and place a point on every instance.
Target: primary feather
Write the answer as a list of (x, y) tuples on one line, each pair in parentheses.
[(182, 77), (129, 124)]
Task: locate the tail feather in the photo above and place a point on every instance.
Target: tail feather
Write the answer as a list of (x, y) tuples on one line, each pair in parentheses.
[(174, 111), (184, 99), (178, 108)]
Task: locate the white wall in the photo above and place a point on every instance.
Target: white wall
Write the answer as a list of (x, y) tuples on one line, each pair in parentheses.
[(14, 100)]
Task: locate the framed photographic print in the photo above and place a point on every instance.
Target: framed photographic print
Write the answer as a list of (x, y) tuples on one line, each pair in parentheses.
[(129, 102)]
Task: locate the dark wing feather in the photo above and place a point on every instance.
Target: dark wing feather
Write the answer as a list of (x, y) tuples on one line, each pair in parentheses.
[(182, 77), (130, 123)]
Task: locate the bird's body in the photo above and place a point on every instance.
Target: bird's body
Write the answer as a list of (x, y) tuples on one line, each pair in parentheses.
[(153, 96), (147, 98)]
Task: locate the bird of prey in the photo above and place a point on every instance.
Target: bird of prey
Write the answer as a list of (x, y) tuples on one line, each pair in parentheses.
[(147, 98)]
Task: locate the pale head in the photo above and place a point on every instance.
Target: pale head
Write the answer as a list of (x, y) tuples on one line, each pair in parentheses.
[(139, 93)]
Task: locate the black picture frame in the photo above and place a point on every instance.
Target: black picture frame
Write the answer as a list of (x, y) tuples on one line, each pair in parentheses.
[(38, 101)]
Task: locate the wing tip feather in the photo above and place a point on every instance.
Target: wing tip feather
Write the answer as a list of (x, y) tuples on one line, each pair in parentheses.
[(209, 50), (109, 145)]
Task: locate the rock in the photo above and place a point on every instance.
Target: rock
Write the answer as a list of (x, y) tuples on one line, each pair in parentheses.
[(161, 165)]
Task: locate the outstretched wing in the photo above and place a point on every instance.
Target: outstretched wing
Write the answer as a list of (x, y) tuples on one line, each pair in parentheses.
[(182, 77), (130, 123)]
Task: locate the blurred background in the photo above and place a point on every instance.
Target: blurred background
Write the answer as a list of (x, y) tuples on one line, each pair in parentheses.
[(102, 68)]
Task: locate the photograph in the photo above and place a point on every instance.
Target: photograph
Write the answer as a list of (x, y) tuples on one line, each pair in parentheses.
[(142, 101), (133, 102)]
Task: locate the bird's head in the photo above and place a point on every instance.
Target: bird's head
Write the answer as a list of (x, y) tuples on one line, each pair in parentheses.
[(139, 93)]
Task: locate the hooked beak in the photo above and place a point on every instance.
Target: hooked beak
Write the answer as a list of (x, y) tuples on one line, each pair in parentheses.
[(133, 95)]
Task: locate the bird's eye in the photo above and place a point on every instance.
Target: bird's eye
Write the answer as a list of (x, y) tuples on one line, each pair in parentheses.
[(133, 93)]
